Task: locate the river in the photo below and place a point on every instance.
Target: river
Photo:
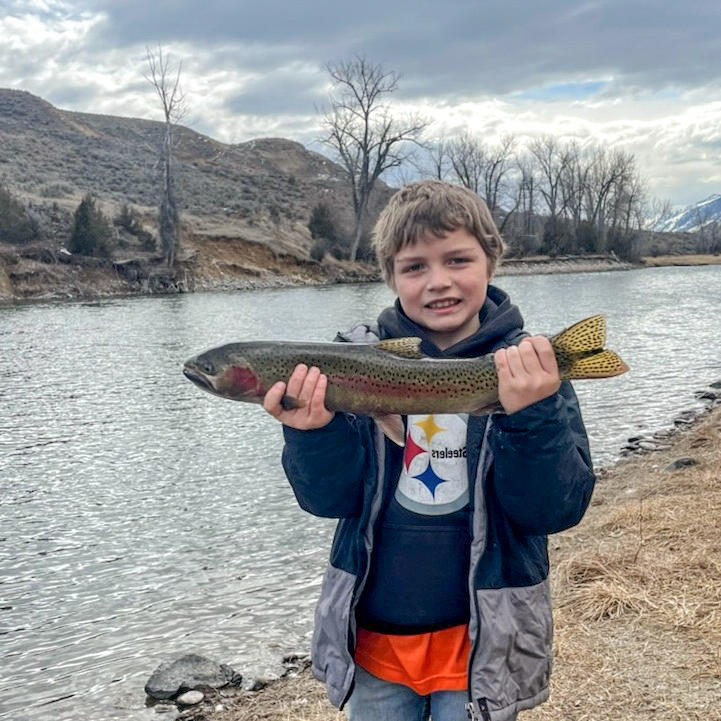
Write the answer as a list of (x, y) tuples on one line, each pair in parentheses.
[(141, 518)]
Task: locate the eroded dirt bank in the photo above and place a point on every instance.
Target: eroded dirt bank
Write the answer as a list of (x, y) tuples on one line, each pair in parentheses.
[(207, 264)]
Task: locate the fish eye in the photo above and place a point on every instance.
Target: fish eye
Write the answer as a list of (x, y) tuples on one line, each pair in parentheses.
[(208, 368)]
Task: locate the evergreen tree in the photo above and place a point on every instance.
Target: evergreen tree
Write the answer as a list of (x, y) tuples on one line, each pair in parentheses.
[(16, 224), (322, 223), (91, 230)]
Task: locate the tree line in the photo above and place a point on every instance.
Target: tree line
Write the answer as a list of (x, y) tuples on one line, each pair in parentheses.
[(548, 196)]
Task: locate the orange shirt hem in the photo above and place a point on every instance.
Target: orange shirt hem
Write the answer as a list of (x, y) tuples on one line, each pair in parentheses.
[(426, 662)]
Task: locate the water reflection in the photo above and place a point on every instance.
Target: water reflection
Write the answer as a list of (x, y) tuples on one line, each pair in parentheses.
[(142, 518)]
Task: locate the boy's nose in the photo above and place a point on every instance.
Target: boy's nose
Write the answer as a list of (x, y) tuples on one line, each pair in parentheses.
[(438, 278)]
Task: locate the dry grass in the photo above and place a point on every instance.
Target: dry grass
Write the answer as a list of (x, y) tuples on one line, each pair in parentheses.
[(700, 259), (637, 592), (637, 599)]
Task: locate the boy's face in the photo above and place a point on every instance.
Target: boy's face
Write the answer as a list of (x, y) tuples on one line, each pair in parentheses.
[(441, 284)]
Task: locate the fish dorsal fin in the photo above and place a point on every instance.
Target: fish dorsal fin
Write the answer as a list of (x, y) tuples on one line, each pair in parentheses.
[(403, 347), (582, 337)]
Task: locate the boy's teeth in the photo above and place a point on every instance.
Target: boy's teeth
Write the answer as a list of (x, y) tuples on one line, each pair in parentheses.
[(442, 303)]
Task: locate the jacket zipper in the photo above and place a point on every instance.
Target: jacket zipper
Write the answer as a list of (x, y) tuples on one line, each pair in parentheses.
[(375, 508), (483, 705), (482, 702)]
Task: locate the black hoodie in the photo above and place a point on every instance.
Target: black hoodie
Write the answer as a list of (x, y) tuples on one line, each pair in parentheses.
[(418, 580)]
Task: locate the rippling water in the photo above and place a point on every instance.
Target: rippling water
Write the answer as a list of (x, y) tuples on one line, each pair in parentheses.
[(141, 518)]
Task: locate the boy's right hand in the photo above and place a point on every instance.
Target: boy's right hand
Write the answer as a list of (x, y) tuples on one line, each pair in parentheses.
[(308, 386)]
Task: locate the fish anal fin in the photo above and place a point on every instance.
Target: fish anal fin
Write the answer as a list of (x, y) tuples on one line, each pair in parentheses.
[(403, 347), (582, 337), (291, 403), (605, 364)]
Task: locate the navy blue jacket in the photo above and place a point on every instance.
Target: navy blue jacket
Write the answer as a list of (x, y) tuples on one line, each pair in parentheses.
[(530, 475)]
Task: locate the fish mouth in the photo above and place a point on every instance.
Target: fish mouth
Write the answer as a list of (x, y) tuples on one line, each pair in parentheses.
[(199, 379)]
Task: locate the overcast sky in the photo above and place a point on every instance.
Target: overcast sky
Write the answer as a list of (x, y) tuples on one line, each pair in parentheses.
[(642, 76)]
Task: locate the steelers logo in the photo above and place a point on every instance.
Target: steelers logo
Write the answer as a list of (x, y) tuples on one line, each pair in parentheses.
[(434, 477)]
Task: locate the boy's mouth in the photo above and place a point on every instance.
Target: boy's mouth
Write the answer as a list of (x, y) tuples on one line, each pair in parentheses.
[(442, 303)]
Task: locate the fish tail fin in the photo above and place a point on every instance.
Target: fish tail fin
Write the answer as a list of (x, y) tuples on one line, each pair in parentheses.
[(580, 352), (604, 364)]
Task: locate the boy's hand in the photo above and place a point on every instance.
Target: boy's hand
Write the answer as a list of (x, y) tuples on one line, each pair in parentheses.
[(308, 386), (527, 373)]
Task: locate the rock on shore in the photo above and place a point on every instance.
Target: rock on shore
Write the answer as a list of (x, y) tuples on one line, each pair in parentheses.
[(189, 673)]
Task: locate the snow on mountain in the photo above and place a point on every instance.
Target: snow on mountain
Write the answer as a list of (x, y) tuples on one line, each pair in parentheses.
[(694, 217)]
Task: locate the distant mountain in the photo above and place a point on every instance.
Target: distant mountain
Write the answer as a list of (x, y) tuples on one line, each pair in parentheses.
[(694, 217), (261, 191)]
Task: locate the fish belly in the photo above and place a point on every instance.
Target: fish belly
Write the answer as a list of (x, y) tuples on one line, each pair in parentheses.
[(414, 400)]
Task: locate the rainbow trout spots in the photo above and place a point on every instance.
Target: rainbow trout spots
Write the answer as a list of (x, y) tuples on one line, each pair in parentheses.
[(390, 377)]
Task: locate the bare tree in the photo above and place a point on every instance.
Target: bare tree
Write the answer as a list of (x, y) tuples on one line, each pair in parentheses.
[(574, 182), (552, 160), (609, 179), (364, 134), (498, 164), (657, 212), (709, 238), (469, 159), (164, 76), (435, 159), (526, 193)]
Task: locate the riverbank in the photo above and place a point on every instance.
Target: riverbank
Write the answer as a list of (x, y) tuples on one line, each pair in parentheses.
[(562, 264), (637, 596), (213, 264), (663, 260), (229, 264)]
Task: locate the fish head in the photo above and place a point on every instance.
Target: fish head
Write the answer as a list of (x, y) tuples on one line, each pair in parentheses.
[(224, 374)]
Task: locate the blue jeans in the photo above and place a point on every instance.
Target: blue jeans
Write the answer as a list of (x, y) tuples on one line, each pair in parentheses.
[(376, 700)]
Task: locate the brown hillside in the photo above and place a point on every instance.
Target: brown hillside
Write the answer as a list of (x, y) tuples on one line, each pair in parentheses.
[(258, 191)]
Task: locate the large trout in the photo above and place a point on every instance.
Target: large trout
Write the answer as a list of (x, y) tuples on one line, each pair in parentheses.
[(391, 376)]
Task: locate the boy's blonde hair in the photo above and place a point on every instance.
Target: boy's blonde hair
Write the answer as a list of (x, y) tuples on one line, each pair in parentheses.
[(434, 207)]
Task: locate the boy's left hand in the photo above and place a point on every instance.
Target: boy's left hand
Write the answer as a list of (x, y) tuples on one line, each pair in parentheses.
[(527, 373)]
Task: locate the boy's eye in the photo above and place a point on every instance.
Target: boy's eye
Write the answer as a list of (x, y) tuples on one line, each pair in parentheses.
[(412, 268), (459, 260)]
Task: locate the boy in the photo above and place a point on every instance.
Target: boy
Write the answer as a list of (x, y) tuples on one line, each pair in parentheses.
[(436, 599)]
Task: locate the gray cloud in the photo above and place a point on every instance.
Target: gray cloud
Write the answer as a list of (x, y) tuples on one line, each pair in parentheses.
[(461, 47), (68, 96), (285, 92), (255, 68)]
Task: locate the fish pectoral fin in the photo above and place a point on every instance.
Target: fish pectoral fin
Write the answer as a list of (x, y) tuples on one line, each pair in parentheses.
[(403, 347), (290, 403), (392, 425), (487, 409)]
